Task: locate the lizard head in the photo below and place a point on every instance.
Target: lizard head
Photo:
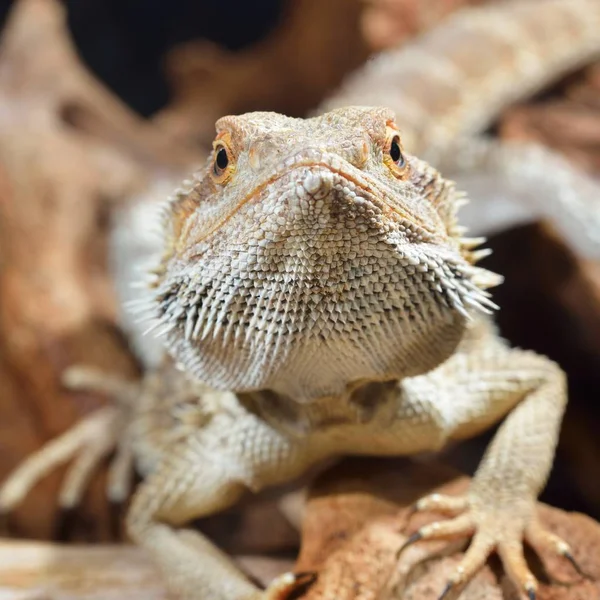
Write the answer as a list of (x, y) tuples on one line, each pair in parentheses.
[(312, 255)]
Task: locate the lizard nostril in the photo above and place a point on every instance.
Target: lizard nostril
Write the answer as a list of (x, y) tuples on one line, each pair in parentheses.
[(317, 182), (312, 182)]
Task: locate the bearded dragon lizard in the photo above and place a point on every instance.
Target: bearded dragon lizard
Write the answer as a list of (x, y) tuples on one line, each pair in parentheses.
[(322, 300)]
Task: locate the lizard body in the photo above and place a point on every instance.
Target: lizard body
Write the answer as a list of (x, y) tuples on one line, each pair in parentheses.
[(318, 293)]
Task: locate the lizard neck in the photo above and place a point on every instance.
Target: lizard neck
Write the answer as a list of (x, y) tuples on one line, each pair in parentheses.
[(358, 404)]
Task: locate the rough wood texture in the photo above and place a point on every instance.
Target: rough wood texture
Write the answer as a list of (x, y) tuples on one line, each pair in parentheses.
[(43, 571), (53, 572), (356, 520), (68, 151)]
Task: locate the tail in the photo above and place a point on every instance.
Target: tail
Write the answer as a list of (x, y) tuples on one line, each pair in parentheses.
[(455, 80)]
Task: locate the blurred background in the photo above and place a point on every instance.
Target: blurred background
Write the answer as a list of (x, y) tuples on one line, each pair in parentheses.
[(100, 99)]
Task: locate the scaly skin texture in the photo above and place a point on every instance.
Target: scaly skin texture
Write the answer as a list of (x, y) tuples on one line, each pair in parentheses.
[(315, 280), (450, 85)]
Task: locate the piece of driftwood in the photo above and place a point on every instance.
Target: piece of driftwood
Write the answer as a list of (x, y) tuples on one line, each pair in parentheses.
[(354, 522), (69, 151), (44, 571), (568, 119), (357, 519)]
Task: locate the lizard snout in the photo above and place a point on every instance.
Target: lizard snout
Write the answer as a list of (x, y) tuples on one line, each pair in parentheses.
[(315, 193)]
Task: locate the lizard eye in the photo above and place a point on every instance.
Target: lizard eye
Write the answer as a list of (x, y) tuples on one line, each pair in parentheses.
[(395, 152), (393, 156), (222, 163), (221, 159)]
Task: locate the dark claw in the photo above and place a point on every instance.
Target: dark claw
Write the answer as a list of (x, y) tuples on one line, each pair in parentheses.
[(530, 593), (446, 591), (576, 566), (415, 537)]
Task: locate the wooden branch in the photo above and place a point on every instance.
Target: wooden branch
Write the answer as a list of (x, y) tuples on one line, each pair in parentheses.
[(69, 150)]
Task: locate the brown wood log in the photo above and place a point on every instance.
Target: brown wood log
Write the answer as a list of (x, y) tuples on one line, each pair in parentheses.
[(69, 151), (357, 519)]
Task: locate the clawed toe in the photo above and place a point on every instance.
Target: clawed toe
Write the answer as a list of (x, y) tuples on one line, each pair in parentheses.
[(86, 444), (448, 505), (449, 587), (513, 560), (543, 540), (576, 566), (459, 526), (492, 532)]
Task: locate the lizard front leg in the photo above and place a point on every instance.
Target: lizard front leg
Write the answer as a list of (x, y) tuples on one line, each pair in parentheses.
[(203, 474), (87, 443), (499, 509)]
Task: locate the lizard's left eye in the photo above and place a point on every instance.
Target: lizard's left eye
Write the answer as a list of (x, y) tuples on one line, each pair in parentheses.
[(395, 152), (223, 162), (221, 159)]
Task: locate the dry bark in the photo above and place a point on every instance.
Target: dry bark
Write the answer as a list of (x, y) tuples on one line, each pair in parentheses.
[(357, 519), (69, 150)]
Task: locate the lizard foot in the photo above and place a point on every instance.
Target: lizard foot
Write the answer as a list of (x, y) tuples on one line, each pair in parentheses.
[(494, 528), (87, 443)]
